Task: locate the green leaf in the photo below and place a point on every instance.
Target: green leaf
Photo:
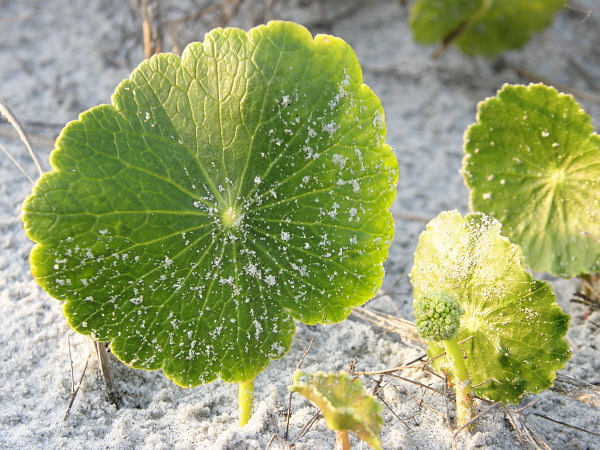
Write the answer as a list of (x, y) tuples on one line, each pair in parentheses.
[(343, 403), (485, 27), (221, 196), (512, 328), (533, 162)]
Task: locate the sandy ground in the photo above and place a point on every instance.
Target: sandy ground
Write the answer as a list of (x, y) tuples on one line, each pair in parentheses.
[(59, 58)]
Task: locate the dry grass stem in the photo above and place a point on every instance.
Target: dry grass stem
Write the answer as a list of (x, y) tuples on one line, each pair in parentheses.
[(10, 117), (289, 410), (151, 27), (578, 390), (104, 364), (548, 82), (405, 328), (16, 163), (74, 387)]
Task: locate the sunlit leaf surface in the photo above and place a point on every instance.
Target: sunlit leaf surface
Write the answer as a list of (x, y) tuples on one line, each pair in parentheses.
[(219, 197), (512, 328), (533, 162)]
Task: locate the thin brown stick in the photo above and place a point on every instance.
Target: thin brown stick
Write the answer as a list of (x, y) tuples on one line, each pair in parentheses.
[(151, 27), (550, 419), (104, 364), (578, 390), (275, 435), (485, 382), (71, 364), (580, 9), (474, 419), (36, 139), (307, 426), (406, 366), (529, 405), (420, 402), (412, 216), (74, 388), (416, 360), (526, 434), (100, 348), (585, 233), (388, 371), (416, 383), (394, 413), (405, 328), (559, 86), (16, 163), (446, 407), (289, 410), (8, 115)]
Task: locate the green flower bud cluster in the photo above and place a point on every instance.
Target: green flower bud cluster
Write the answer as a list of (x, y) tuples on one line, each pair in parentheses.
[(437, 316)]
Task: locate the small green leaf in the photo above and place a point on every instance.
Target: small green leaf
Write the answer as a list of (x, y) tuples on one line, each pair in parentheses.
[(533, 162), (221, 196), (512, 328), (343, 403), (485, 27)]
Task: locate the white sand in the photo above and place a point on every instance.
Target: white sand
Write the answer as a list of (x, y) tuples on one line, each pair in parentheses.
[(60, 58)]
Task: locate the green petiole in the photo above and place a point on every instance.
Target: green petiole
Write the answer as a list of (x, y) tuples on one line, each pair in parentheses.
[(438, 319), (342, 440), (462, 382), (245, 401)]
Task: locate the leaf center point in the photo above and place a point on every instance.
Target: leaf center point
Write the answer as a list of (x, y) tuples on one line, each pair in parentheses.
[(472, 323), (231, 217), (558, 176)]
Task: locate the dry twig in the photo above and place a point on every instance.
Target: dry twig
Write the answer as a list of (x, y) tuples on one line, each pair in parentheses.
[(113, 396), (151, 27), (74, 388), (405, 328), (9, 116), (578, 390), (289, 413), (548, 82)]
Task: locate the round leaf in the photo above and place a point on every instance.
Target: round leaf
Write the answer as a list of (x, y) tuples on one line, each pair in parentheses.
[(512, 328), (485, 27), (533, 162), (220, 196), (343, 403)]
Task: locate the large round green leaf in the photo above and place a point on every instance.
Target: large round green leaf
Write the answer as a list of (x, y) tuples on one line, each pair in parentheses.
[(485, 27), (512, 328), (221, 195), (533, 162)]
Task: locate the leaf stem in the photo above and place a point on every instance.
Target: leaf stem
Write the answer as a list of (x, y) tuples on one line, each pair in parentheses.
[(462, 383), (245, 401), (342, 441)]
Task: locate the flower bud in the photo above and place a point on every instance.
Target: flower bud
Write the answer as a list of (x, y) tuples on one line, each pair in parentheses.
[(437, 316)]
